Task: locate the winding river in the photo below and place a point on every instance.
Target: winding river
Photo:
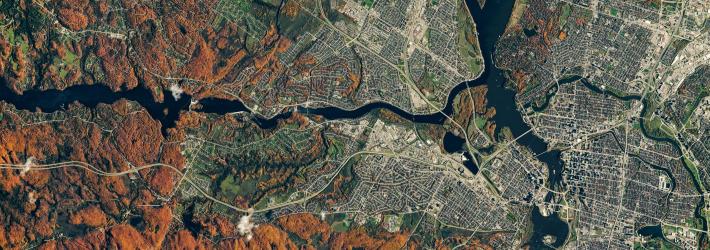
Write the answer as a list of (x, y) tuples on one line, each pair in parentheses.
[(490, 23)]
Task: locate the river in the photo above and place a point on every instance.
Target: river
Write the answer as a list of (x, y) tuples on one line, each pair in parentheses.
[(490, 24)]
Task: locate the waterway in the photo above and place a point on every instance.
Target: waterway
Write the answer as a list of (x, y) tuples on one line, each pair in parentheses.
[(490, 22), (547, 226), (456, 144), (698, 213), (166, 112)]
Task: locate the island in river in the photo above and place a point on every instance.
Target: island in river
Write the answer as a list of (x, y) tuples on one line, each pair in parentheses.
[(419, 124)]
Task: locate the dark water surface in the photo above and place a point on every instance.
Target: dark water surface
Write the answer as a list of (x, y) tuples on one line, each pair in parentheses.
[(652, 231), (166, 112), (455, 144), (490, 24), (491, 21), (547, 225)]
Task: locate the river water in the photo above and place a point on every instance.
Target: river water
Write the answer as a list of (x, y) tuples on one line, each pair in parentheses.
[(490, 24)]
